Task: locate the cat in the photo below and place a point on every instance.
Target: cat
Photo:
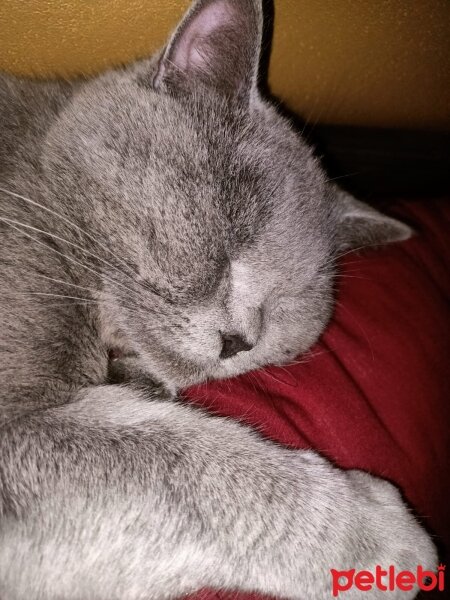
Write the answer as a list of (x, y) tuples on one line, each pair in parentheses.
[(162, 224)]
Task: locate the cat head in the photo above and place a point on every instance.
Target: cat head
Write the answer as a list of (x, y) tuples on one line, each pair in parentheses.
[(220, 226)]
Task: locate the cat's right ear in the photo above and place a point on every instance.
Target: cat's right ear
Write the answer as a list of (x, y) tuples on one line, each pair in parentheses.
[(218, 44)]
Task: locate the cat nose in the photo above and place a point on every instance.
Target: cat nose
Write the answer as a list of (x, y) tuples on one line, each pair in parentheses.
[(232, 344)]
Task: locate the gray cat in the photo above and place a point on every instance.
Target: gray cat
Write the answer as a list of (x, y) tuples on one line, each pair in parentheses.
[(163, 225)]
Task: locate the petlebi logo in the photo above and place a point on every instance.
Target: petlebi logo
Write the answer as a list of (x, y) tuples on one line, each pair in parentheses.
[(387, 579)]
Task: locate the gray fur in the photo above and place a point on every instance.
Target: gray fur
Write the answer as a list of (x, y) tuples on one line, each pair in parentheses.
[(148, 211)]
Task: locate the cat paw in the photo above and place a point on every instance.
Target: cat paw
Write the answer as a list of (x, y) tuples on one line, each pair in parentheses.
[(390, 535), (128, 369)]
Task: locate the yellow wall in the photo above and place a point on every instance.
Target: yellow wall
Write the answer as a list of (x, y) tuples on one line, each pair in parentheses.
[(372, 62)]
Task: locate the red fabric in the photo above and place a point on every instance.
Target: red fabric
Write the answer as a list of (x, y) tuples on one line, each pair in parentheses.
[(374, 392)]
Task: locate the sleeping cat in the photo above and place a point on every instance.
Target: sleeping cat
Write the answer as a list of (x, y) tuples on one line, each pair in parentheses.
[(163, 225)]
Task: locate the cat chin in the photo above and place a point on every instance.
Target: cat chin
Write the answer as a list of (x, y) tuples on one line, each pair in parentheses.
[(144, 367), (240, 365)]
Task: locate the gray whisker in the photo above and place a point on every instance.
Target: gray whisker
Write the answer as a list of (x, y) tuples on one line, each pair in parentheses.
[(81, 287), (68, 221), (53, 235), (66, 256), (61, 296)]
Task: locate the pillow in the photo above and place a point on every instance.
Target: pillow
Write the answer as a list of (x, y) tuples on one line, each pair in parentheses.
[(373, 393)]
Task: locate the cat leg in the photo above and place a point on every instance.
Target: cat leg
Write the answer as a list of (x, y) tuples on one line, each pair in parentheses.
[(116, 496)]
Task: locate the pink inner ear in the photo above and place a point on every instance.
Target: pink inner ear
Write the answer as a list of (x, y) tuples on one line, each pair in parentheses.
[(187, 54)]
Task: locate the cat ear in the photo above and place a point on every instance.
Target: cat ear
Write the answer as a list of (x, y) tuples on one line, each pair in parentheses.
[(218, 43), (361, 225)]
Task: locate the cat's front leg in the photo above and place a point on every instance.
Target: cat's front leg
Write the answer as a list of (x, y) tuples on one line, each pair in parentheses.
[(113, 497)]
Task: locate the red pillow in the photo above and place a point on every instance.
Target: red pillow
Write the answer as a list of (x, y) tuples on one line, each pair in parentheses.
[(374, 392)]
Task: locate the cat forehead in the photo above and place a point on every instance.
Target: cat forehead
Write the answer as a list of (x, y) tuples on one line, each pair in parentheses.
[(133, 118), (200, 151), (198, 170)]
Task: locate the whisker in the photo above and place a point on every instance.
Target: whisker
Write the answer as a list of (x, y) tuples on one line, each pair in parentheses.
[(68, 221), (76, 300), (292, 383), (306, 358), (343, 176), (349, 251), (80, 287), (358, 325), (101, 275), (62, 304), (345, 276), (50, 295), (53, 235)]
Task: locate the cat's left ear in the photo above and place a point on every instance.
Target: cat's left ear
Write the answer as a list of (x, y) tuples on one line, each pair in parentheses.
[(218, 43), (361, 225)]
